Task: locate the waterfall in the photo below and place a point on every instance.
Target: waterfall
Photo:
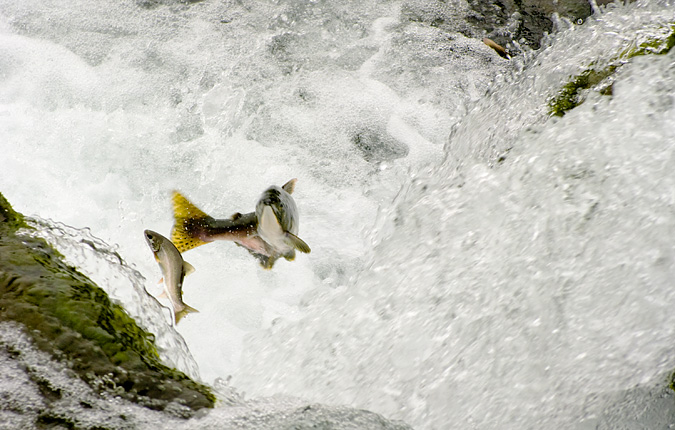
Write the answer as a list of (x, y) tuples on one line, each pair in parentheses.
[(477, 261)]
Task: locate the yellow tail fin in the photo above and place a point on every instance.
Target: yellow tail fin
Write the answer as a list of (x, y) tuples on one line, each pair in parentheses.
[(184, 213)]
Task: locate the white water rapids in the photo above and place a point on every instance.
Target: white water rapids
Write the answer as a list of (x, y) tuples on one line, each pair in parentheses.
[(475, 263)]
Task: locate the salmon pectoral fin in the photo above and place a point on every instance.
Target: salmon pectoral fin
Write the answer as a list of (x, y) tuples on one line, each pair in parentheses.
[(181, 314), (290, 255), (298, 243), (267, 262), (185, 214)]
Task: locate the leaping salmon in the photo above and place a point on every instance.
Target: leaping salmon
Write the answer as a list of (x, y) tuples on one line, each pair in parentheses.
[(174, 270), (268, 233)]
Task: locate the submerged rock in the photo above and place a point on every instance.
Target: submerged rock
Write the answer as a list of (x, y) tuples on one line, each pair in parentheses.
[(69, 317), (377, 147), (151, 4)]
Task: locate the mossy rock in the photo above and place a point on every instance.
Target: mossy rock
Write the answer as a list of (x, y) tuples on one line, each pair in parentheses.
[(574, 92), (599, 79), (9, 219), (74, 320)]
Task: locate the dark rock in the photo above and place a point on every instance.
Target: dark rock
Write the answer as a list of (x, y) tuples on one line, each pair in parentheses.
[(338, 418), (503, 21), (152, 4)]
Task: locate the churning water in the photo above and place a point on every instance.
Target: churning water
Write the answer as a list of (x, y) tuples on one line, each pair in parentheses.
[(475, 263)]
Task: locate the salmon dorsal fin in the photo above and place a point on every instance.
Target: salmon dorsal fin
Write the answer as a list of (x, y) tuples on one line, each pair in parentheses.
[(184, 213), (289, 186)]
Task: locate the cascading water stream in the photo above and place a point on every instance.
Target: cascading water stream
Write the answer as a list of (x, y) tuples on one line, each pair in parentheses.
[(516, 274), (107, 268)]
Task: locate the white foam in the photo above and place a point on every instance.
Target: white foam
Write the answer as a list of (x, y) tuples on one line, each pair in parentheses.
[(462, 302)]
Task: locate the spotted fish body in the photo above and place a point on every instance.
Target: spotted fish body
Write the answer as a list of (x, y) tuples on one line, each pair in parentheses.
[(275, 237), (174, 269)]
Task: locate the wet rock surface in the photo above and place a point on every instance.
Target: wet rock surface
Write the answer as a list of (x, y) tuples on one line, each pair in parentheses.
[(504, 21), (69, 317)]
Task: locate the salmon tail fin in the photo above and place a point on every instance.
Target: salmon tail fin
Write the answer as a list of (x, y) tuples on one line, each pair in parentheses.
[(289, 186), (298, 243), (187, 310), (183, 208), (185, 214)]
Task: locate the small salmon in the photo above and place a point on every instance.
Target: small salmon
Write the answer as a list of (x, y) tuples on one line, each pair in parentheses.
[(174, 270)]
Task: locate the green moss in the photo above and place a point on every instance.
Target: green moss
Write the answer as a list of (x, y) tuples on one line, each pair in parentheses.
[(70, 317), (572, 94), (9, 219), (598, 79), (653, 45)]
